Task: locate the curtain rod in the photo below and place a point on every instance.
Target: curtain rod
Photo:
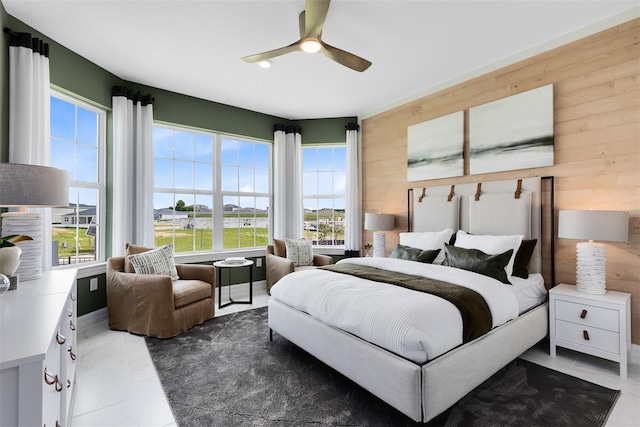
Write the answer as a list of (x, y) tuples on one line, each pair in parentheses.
[(9, 31)]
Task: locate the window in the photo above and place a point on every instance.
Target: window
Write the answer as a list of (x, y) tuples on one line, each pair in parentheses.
[(245, 188), (77, 146), (323, 192), (211, 191)]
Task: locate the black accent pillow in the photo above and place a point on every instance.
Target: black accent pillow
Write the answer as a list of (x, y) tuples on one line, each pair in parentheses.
[(452, 240), (523, 257), (477, 261), (414, 254)]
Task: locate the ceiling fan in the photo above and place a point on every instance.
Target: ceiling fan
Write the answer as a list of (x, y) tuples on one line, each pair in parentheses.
[(311, 22)]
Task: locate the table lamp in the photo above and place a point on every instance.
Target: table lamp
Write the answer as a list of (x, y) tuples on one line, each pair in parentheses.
[(30, 186), (378, 223), (609, 226)]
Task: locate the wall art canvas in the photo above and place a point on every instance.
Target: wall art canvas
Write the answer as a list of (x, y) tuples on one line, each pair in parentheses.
[(435, 148), (512, 133)]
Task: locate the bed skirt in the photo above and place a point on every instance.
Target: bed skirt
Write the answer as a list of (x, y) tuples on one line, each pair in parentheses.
[(418, 391)]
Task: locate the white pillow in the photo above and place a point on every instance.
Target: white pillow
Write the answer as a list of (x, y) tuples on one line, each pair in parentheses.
[(492, 245), (299, 251), (155, 261), (428, 240)]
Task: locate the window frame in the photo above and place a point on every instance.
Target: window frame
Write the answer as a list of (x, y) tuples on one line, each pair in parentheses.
[(217, 194), (100, 186)]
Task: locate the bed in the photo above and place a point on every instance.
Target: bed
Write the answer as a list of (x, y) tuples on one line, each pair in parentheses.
[(412, 349)]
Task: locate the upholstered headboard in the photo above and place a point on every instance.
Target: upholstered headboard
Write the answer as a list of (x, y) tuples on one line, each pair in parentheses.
[(493, 207)]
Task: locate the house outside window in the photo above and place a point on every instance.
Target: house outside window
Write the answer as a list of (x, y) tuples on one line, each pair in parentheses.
[(77, 137), (324, 193), (211, 191)]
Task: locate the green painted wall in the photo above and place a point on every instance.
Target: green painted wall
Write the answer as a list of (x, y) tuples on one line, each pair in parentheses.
[(80, 77), (316, 131), (91, 301)]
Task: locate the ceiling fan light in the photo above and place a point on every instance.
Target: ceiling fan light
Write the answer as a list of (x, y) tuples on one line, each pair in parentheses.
[(265, 64), (310, 45)]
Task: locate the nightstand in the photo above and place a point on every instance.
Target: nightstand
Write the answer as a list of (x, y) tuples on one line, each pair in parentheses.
[(599, 325)]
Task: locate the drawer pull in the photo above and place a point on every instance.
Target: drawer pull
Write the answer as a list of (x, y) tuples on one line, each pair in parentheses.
[(60, 338), (69, 313), (583, 314), (71, 325), (68, 383), (72, 355), (58, 384), (58, 424), (73, 296), (585, 335), (48, 378)]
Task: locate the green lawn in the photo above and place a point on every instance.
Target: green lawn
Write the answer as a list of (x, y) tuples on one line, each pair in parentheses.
[(68, 235), (233, 238), (184, 239)]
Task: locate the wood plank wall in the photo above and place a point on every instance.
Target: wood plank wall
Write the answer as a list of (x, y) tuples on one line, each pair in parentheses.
[(597, 143)]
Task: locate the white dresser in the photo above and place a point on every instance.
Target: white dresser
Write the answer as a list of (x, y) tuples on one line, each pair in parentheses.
[(38, 351), (599, 325)]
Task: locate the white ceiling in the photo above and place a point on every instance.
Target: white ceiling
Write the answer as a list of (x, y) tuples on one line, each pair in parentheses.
[(194, 47)]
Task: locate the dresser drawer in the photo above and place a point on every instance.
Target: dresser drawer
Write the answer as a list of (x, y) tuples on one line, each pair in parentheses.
[(602, 318), (598, 338)]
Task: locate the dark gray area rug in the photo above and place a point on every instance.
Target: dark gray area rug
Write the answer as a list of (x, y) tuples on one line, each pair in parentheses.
[(226, 372)]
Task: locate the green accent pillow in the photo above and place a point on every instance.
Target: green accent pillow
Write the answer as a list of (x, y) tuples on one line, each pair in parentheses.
[(477, 261), (523, 256), (414, 254)]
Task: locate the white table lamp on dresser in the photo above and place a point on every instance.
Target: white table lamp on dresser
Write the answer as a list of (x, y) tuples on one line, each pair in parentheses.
[(35, 186), (609, 226), (378, 223)]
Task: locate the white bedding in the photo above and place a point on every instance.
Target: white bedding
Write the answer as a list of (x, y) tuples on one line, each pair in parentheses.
[(414, 325)]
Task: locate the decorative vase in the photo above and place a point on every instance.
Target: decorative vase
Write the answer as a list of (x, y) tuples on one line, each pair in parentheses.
[(10, 260)]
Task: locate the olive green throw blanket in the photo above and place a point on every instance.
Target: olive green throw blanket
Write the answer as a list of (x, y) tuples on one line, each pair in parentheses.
[(476, 316)]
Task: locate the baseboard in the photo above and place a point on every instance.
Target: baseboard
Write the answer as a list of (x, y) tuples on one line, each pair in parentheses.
[(635, 354), (91, 319)]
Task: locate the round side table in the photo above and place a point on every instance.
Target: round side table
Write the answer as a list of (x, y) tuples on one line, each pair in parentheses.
[(221, 265)]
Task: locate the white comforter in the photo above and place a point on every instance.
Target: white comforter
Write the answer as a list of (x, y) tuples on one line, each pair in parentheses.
[(415, 325)]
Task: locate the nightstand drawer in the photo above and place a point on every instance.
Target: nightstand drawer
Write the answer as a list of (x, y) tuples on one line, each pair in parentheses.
[(597, 338), (588, 315)]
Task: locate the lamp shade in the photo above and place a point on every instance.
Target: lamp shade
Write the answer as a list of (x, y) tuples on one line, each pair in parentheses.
[(608, 226), (378, 221), (31, 185)]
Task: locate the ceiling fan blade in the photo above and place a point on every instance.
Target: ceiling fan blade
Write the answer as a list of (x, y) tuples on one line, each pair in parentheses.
[(302, 24), (345, 58), (293, 47), (315, 14)]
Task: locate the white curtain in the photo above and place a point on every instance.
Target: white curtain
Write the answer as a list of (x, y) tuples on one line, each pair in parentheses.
[(353, 211), (29, 107), (279, 208), (287, 182), (294, 182), (132, 170)]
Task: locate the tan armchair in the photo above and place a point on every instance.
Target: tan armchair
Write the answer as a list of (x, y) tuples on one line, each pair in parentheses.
[(279, 266), (153, 305)]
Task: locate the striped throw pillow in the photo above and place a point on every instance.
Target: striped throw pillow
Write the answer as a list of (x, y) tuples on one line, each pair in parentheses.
[(155, 261), (299, 251)]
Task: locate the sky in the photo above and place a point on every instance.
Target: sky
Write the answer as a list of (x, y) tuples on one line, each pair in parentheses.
[(79, 161), (185, 160)]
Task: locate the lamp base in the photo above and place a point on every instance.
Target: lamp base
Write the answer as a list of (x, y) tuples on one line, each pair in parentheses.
[(591, 268), (378, 244), (30, 224)]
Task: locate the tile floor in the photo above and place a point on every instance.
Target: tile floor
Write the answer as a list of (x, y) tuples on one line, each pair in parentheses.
[(117, 384)]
